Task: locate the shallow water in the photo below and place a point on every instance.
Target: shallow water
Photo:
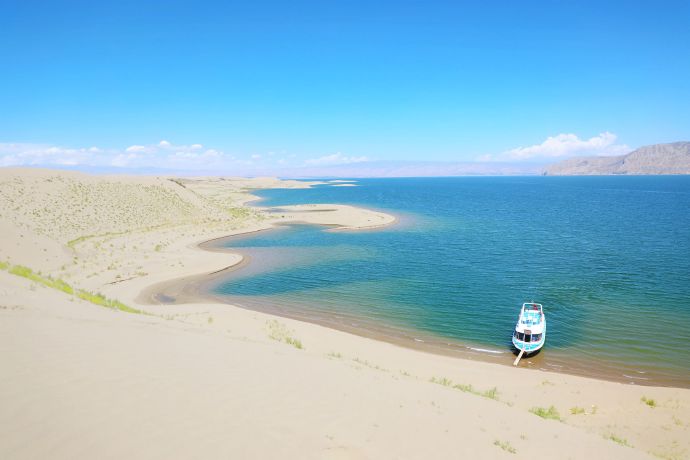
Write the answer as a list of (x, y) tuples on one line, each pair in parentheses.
[(609, 257)]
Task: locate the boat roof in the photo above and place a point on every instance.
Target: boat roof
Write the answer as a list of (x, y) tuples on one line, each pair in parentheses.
[(531, 317), (532, 306)]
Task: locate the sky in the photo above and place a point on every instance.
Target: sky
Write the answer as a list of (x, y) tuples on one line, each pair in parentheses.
[(267, 86)]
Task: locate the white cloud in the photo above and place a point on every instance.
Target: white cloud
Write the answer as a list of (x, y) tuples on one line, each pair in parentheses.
[(335, 159), (41, 154), (566, 145), (164, 155), (161, 155)]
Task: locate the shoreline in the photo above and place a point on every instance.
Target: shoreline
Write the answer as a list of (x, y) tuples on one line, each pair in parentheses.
[(194, 289)]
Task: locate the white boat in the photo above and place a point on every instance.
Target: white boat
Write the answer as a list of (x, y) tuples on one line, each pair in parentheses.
[(530, 330)]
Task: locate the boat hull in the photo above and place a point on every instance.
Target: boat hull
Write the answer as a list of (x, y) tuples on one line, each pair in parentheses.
[(529, 347)]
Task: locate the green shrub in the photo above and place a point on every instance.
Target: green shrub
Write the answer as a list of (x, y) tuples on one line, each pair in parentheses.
[(648, 401), (60, 285), (505, 445), (616, 439), (491, 394), (550, 413), (278, 331)]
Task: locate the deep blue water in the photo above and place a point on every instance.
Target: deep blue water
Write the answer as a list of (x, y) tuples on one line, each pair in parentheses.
[(609, 257)]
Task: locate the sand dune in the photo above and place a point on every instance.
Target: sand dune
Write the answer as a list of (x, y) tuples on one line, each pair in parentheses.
[(210, 380)]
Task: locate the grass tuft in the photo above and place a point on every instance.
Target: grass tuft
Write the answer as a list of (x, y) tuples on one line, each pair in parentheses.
[(60, 285), (100, 299), (505, 445), (491, 394), (648, 401), (26, 272), (278, 331), (442, 381), (550, 413), (466, 388), (616, 439), (577, 410)]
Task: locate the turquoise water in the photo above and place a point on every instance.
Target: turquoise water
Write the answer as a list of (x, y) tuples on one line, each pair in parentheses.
[(609, 257)]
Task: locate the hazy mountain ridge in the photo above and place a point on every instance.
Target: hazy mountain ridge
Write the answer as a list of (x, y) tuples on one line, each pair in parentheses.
[(673, 158)]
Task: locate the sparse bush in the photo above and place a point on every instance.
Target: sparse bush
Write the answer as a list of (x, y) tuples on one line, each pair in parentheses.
[(100, 299), (442, 381), (577, 410), (616, 439), (550, 413), (26, 272), (491, 394), (648, 401), (466, 388), (60, 285), (505, 445), (278, 331)]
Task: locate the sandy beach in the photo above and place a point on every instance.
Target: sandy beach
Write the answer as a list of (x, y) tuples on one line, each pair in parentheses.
[(87, 377)]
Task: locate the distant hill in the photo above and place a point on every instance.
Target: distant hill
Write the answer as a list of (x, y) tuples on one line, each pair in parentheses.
[(671, 158)]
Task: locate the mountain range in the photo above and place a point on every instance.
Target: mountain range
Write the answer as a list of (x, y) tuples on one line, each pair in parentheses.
[(673, 158)]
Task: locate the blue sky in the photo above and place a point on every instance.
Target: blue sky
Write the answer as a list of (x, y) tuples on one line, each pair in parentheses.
[(315, 83)]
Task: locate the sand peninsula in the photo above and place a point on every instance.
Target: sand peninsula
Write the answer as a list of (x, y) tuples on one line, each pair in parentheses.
[(88, 371)]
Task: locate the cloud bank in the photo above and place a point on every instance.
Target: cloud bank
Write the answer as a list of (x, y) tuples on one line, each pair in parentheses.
[(193, 159), (335, 159), (563, 146), (164, 155)]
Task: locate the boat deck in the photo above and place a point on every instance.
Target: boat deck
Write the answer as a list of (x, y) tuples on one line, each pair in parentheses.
[(530, 318)]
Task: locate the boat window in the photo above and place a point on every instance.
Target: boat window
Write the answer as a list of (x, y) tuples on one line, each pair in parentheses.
[(536, 337), (528, 338), (520, 336)]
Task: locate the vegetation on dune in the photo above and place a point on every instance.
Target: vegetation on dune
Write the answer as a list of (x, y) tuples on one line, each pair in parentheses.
[(278, 331), (505, 445), (26, 272), (100, 299), (616, 439), (47, 281), (648, 401), (466, 388), (368, 364), (550, 413)]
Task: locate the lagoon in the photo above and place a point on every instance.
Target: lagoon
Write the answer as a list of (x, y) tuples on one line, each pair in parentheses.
[(609, 257)]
